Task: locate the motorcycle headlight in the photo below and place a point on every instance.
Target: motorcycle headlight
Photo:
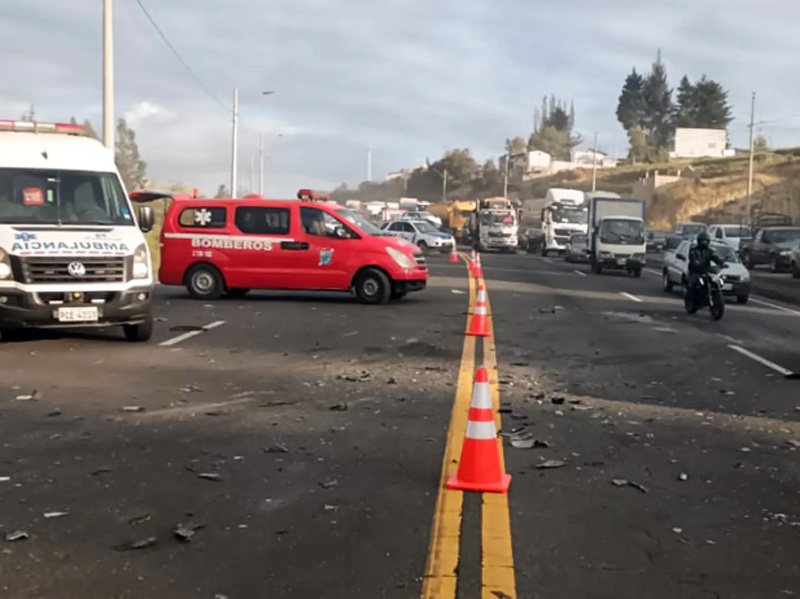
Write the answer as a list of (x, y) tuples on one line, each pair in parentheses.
[(400, 258), (5, 265), (141, 265)]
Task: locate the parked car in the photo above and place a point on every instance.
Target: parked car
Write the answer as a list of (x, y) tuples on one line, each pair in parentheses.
[(771, 245), (730, 234), (577, 248), (530, 239), (689, 230), (420, 215), (422, 234), (656, 241), (735, 276)]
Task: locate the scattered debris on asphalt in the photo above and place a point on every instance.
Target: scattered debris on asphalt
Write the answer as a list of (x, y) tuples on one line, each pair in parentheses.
[(276, 448), (185, 532), (619, 482), (17, 535), (5, 479), (49, 515), (339, 407), (677, 531), (191, 389), (216, 413), (528, 442), (329, 484), (212, 476), (133, 409), (501, 595), (360, 378), (551, 464), (139, 519), (683, 477), (639, 487), (102, 470), (392, 381), (793, 443), (35, 395), (558, 399), (56, 412), (145, 543), (350, 334)]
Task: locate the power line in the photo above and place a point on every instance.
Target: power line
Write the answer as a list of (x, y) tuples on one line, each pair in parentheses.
[(180, 59)]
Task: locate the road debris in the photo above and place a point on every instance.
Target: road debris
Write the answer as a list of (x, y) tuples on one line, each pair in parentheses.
[(56, 412), (392, 381), (102, 470), (677, 531), (34, 396), (329, 484), (551, 464), (683, 477), (793, 443), (5, 479), (212, 476), (624, 482), (145, 543), (133, 409), (350, 334), (185, 532), (277, 448), (361, 378), (17, 535), (191, 389), (339, 407), (139, 519), (558, 400), (528, 442), (501, 595), (50, 515)]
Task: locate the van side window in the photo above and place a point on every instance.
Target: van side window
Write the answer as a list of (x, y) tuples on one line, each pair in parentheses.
[(319, 222), (254, 220), (203, 218)]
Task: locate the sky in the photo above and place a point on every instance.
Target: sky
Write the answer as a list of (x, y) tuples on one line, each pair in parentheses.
[(407, 79)]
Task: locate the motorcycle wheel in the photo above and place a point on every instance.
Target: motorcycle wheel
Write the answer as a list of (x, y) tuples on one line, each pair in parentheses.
[(717, 306)]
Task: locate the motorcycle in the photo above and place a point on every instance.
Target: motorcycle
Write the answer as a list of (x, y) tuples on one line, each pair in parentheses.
[(707, 295)]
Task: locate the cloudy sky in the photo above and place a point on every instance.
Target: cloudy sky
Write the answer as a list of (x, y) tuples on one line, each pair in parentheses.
[(407, 78)]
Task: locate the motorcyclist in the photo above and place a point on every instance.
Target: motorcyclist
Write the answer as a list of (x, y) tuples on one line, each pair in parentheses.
[(701, 255)]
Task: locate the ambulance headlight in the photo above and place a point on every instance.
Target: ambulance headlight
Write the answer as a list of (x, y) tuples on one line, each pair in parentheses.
[(5, 265), (402, 260), (141, 265)]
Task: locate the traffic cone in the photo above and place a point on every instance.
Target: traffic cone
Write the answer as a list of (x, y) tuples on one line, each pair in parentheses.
[(472, 262), (454, 256), (477, 269), (480, 468), (478, 324)]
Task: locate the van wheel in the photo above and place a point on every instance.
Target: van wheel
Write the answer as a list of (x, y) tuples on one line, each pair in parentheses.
[(139, 333), (204, 281), (373, 287)]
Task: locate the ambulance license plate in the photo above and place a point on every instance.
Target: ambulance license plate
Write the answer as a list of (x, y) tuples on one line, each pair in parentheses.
[(83, 314)]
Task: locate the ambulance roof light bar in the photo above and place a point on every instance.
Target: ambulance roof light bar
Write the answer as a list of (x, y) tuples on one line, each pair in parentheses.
[(36, 127), (310, 195)]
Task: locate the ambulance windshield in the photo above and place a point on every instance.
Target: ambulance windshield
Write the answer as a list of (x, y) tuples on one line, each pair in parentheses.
[(51, 197), (360, 222)]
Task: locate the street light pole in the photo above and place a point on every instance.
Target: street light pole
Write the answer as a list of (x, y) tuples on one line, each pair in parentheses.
[(594, 164), (234, 141), (505, 175), (108, 77), (261, 165), (750, 166), (444, 187)]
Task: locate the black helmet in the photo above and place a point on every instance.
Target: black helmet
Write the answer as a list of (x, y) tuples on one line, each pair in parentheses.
[(703, 240)]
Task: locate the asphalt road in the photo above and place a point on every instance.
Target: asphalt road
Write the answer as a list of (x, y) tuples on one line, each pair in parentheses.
[(308, 437)]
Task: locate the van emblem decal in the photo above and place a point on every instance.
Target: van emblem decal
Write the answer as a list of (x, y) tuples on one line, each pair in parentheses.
[(202, 217), (325, 257)]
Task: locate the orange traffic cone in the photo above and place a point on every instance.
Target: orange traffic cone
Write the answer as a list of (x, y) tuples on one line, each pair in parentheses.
[(477, 269), (480, 468), (478, 324), (454, 256)]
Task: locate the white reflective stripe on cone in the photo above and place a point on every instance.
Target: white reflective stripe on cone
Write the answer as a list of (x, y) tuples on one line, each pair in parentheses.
[(481, 296), (480, 397), (479, 311), (481, 430)]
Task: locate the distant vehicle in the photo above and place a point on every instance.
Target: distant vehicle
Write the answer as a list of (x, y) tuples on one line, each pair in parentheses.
[(564, 213), (616, 235), (495, 225), (458, 215), (422, 234), (689, 230), (577, 249), (730, 234), (735, 276), (771, 245), (419, 215), (656, 241)]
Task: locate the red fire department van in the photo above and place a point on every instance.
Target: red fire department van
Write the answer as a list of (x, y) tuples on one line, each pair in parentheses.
[(232, 246)]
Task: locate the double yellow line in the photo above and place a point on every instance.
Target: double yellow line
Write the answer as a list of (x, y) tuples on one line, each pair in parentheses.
[(497, 558)]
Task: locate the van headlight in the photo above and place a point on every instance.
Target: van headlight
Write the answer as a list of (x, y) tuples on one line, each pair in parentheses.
[(402, 260), (141, 265), (5, 265)]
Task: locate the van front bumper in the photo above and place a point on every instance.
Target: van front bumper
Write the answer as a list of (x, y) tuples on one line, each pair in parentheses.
[(23, 309)]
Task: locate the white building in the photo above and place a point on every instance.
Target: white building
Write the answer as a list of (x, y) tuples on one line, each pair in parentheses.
[(701, 143), (587, 158)]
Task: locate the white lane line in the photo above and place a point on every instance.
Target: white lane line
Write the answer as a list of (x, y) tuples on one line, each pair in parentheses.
[(775, 306), (631, 297), (760, 360), (548, 260), (190, 334), (731, 339), (578, 272)]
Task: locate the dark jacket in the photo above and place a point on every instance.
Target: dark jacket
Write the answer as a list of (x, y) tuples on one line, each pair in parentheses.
[(700, 260)]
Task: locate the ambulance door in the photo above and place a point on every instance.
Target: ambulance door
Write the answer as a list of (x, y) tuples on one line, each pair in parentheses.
[(262, 260), (333, 248)]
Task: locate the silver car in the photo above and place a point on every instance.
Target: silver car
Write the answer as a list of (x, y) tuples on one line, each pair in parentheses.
[(735, 276), (577, 248)]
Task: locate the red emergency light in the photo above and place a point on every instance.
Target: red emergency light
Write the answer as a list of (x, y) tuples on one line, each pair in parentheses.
[(311, 195), (36, 127)]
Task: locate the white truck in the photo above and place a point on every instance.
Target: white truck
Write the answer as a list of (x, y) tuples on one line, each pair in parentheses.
[(616, 234), (563, 215), (495, 225), (71, 251)]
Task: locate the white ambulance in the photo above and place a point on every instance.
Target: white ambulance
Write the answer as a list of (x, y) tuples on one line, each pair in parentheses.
[(72, 253)]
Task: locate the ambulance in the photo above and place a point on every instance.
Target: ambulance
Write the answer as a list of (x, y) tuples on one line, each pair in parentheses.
[(216, 247), (72, 253)]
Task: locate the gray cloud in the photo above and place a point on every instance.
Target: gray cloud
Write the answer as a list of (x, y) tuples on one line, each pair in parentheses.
[(405, 77)]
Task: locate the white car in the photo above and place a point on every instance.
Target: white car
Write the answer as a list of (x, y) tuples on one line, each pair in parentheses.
[(735, 276), (730, 234), (427, 216), (422, 234)]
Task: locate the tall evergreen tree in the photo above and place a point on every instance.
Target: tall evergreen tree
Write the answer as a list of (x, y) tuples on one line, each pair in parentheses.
[(632, 108), (658, 97), (713, 110), (687, 104)]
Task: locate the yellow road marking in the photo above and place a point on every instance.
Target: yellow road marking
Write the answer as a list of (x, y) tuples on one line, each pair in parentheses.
[(497, 556), (441, 569)]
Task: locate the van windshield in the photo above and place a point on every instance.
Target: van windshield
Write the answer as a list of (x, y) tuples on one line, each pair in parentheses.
[(53, 197), (359, 221)]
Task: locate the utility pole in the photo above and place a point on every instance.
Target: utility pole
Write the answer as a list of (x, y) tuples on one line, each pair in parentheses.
[(261, 165), (369, 164), (505, 175), (444, 187), (108, 77), (594, 164), (750, 167), (252, 173), (234, 141)]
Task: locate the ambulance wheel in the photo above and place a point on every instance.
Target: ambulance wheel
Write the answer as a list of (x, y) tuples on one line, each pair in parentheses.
[(238, 292), (204, 281), (373, 287), (139, 333)]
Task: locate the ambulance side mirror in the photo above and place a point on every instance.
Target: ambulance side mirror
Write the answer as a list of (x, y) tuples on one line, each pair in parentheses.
[(146, 219)]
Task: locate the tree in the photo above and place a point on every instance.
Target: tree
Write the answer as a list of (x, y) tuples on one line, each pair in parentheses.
[(515, 146), (131, 167), (760, 143), (554, 126), (687, 108), (222, 192), (490, 178), (713, 110), (640, 149), (658, 98), (632, 107)]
